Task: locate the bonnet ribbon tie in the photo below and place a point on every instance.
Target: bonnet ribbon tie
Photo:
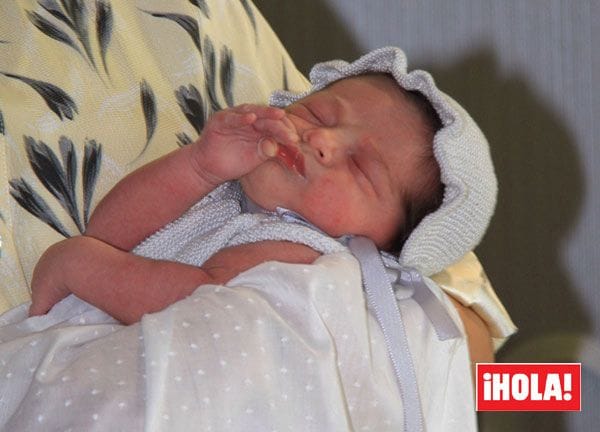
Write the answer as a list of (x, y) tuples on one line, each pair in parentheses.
[(445, 328), (381, 300)]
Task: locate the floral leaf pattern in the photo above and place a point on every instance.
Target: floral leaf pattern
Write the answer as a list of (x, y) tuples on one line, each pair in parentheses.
[(104, 24), (183, 139), (67, 22), (77, 12), (52, 175), (201, 4), (77, 24), (149, 108), (192, 102), (226, 74), (73, 15), (192, 105), (54, 9), (60, 180), (51, 30), (56, 99), (31, 201), (67, 151), (284, 82), (210, 76), (188, 23), (248, 8), (89, 172)]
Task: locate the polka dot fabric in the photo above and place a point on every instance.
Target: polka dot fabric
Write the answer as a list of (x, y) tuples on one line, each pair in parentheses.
[(282, 347)]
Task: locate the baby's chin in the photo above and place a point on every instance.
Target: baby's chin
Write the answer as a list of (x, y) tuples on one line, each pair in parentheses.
[(259, 185), (272, 185)]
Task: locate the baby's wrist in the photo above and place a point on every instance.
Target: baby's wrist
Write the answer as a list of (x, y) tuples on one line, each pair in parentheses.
[(200, 168)]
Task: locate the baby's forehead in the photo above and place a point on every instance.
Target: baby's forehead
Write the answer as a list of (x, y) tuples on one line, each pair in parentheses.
[(373, 82), (373, 94), (379, 92)]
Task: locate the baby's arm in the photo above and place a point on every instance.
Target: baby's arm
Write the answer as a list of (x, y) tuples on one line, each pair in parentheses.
[(161, 191), (127, 286)]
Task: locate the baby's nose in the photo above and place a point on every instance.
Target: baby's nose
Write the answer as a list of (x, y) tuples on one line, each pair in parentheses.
[(325, 145)]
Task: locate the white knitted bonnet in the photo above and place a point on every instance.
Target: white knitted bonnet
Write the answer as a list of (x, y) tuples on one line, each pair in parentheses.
[(462, 152)]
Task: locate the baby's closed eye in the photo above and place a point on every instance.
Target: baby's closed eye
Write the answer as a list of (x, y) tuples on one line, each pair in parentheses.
[(367, 159), (361, 172), (372, 165), (361, 165)]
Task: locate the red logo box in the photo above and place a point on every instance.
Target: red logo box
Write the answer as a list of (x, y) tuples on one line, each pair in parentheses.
[(528, 387)]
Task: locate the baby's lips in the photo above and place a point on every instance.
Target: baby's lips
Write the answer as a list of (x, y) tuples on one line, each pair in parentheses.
[(291, 158)]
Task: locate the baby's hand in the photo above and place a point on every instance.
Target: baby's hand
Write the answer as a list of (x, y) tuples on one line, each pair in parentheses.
[(236, 140), (48, 285)]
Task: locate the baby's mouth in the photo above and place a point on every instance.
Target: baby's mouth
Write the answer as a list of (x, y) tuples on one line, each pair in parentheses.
[(292, 158)]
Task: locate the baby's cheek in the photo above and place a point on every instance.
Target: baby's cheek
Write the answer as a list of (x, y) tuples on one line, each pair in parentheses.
[(326, 207)]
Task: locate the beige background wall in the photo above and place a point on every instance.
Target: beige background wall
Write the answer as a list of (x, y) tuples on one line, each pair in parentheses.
[(527, 71)]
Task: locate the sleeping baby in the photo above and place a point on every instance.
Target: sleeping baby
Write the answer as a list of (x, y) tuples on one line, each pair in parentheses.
[(367, 152)]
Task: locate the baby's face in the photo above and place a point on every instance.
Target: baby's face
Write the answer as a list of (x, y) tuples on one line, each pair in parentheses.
[(360, 141)]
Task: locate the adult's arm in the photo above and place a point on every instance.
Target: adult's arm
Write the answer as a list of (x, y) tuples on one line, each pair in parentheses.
[(478, 336)]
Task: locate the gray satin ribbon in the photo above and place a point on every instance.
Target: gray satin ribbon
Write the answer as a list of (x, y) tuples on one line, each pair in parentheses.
[(445, 328), (379, 280), (382, 301), (392, 275)]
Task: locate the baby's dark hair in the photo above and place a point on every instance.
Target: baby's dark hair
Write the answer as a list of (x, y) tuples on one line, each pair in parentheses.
[(429, 195)]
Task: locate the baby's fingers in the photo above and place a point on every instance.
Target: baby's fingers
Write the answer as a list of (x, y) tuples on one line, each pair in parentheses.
[(234, 120), (245, 115), (261, 111), (276, 130)]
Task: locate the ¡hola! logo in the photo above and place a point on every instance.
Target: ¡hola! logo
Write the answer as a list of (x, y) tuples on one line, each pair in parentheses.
[(528, 387)]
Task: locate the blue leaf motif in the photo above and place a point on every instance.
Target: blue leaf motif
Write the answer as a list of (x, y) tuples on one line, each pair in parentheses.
[(188, 23), (53, 175), (31, 201), (104, 25), (90, 170), (149, 108), (203, 6), (56, 99)]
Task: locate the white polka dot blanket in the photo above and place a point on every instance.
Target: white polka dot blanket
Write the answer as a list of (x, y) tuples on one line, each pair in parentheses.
[(280, 347)]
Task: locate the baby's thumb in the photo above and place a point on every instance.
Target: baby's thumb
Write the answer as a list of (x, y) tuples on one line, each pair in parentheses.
[(267, 148)]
